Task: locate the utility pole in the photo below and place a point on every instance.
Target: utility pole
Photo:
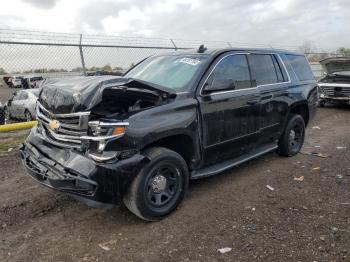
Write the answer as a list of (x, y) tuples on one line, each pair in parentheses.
[(82, 55)]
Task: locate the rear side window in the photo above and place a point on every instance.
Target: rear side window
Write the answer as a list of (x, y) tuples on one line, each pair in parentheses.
[(234, 67), (265, 69), (301, 67)]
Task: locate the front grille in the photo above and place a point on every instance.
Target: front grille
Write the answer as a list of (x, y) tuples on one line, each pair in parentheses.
[(336, 90), (68, 127)]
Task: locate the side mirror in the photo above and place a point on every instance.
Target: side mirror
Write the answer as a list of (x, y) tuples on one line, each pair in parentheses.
[(219, 85)]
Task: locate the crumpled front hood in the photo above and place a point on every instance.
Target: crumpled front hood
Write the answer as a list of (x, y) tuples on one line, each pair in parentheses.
[(63, 96), (336, 64)]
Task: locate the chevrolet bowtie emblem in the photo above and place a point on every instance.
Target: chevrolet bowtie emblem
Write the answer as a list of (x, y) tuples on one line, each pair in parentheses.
[(54, 125)]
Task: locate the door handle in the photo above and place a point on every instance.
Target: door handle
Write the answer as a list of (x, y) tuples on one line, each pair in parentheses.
[(252, 102)]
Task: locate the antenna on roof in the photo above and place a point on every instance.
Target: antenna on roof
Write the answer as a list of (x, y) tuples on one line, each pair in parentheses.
[(201, 49)]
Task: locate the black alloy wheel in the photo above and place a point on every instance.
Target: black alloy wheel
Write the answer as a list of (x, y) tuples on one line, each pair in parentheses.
[(159, 186), (293, 136), (163, 184)]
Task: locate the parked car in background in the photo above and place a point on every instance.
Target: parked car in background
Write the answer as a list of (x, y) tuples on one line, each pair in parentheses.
[(171, 118), (335, 85), (31, 81), (17, 81), (104, 73), (22, 105), (2, 114), (8, 81)]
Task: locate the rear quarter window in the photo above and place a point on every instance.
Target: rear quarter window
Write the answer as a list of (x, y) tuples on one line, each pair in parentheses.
[(301, 67), (266, 69)]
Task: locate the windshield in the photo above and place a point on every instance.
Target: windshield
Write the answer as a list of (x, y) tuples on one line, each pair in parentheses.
[(173, 72)]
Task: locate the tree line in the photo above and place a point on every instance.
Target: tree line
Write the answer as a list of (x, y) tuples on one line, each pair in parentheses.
[(315, 55), (107, 67), (308, 48)]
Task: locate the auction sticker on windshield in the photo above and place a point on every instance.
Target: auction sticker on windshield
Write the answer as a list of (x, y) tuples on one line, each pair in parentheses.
[(190, 61)]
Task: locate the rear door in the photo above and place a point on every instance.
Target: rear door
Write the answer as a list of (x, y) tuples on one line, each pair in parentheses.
[(230, 118), (272, 82)]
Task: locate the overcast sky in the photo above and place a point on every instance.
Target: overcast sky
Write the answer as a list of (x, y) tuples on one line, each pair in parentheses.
[(274, 22)]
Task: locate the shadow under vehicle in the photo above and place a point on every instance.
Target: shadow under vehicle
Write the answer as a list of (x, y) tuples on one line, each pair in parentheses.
[(140, 138)]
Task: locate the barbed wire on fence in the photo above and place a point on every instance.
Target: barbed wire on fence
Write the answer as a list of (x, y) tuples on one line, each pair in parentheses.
[(65, 54)]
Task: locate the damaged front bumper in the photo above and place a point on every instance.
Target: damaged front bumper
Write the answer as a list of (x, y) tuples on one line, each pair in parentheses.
[(345, 99), (76, 174), (334, 92)]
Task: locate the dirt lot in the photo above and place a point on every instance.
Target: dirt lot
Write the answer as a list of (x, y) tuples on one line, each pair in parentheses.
[(305, 220), (5, 92)]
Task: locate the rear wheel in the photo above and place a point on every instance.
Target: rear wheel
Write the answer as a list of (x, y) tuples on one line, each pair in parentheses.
[(293, 136), (160, 185)]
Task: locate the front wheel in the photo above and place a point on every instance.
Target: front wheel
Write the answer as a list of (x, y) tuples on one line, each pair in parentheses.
[(160, 185), (293, 136), (7, 115), (322, 103), (28, 116)]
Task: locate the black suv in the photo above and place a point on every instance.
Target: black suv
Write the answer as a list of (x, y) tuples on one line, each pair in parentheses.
[(140, 138)]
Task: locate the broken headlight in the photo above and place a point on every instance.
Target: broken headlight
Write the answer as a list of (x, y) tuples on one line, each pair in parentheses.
[(101, 132), (321, 93)]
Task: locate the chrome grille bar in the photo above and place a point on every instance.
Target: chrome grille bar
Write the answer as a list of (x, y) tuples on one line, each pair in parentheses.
[(71, 128), (332, 90)]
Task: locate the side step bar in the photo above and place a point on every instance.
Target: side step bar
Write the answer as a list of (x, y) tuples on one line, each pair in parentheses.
[(218, 168)]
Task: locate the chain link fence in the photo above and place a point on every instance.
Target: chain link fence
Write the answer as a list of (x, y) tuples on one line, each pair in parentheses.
[(58, 54)]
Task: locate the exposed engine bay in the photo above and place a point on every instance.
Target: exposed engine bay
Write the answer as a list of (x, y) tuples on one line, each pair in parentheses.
[(120, 102), (103, 95)]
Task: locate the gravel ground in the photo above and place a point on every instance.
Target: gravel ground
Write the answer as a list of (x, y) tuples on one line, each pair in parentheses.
[(305, 220), (5, 92)]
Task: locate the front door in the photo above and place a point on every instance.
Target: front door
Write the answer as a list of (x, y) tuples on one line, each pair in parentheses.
[(229, 112)]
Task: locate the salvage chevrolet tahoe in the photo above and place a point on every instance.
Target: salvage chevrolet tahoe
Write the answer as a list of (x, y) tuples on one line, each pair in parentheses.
[(140, 138)]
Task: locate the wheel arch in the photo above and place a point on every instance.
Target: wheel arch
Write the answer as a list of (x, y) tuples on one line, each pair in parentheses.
[(300, 108), (182, 144)]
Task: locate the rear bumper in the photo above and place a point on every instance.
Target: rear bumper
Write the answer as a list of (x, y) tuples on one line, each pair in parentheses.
[(74, 173)]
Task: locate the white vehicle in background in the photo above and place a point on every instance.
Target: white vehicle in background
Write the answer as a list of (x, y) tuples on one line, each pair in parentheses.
[(17, 81), (22, 105)]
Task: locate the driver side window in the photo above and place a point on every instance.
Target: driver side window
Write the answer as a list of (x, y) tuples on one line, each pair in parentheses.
[(232, 68)]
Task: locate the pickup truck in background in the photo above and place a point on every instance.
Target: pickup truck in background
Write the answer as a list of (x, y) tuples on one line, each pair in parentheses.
[(140, 138), (335, 85)]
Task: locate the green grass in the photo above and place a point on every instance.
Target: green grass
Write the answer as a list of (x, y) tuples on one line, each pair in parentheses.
[(11, 142)]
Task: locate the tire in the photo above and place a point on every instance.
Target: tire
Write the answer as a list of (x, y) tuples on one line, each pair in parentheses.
[(293, 136), (160, 185), (7, 115), (322, 103), (28, 116), (2, 116)]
